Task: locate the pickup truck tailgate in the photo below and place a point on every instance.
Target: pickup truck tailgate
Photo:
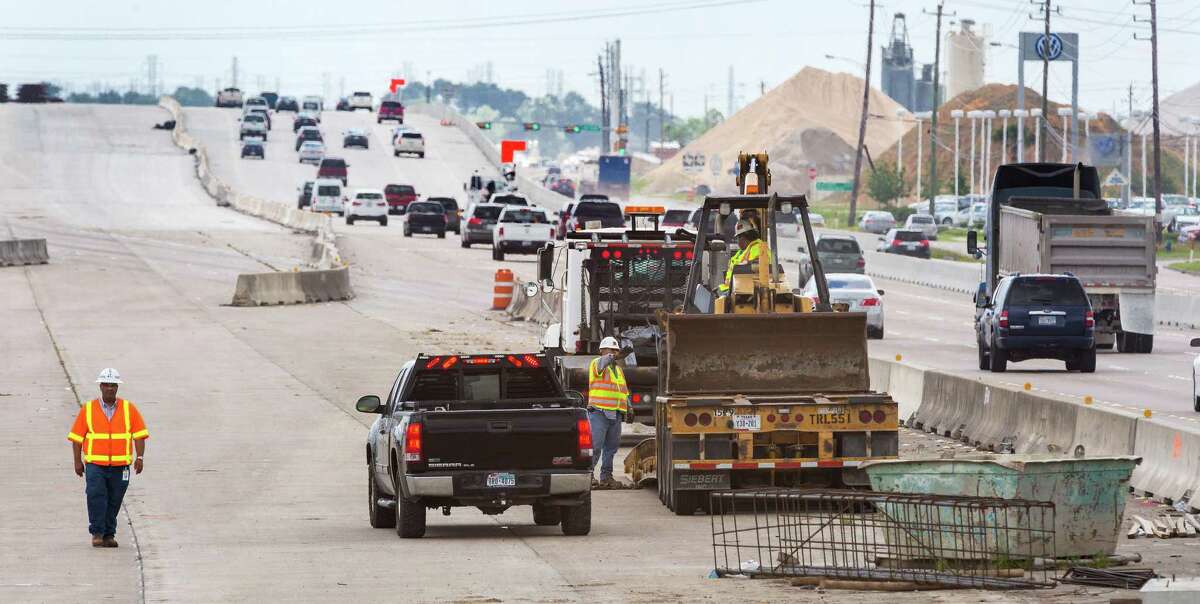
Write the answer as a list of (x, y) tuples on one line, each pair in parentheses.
[(508, 439)]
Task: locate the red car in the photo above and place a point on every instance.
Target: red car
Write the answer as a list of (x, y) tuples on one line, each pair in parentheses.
[(398, 197), (334, 167), (390, 110)]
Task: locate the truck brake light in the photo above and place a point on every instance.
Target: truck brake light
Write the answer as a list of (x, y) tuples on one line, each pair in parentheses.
[(412, 443), (1089, 320), (1004, 319), (861, 263), (585, 438)]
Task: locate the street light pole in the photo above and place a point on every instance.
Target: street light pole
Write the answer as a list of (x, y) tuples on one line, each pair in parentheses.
[(1004, 114), (957, 115), (986, 161), (1065, 114), (1036, 114), (900, 148), (974, 117)]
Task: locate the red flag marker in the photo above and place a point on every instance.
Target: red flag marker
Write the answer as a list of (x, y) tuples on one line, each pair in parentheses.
[(396, 83), (507, 147)]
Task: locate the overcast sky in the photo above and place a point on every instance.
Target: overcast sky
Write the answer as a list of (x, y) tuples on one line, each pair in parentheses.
[(366, 41)]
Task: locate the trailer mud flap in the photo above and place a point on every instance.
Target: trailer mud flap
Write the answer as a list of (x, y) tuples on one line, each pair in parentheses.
[(700, 480), (780, 353)]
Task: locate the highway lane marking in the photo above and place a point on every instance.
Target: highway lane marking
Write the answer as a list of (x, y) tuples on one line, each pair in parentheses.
[(1180, 377), (931, 339)]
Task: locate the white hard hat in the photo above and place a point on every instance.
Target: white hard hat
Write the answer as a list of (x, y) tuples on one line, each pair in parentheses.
[(609, 342), (744, 226), (108, 375)]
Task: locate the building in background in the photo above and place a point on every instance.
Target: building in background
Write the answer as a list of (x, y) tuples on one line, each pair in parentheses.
[(923, 91), (967, 57), (897, 73)]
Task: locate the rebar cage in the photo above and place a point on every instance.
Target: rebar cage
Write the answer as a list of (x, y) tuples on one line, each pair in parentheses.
[(951, 541)]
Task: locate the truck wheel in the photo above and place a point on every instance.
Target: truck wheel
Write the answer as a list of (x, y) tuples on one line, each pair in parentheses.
[(383, 221), (350, 220), (442, 235), (466, 244), (997, 360), (1087, 361), (685, 502), (984, 361), (1145, 343), (410, 516), (381, 517), (547, 515), (497, 254), (407, 233), (577, 519)]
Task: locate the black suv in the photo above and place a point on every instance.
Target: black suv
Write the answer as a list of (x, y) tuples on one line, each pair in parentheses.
[(305, 194), (355, 139), (1036, 317)]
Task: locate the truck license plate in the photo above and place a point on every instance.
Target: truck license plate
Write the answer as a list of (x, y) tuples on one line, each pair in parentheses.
[(752, 423), (502, 479), (1046, 321)]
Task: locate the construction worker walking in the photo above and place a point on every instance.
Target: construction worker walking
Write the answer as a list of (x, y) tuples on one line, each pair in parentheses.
[(750, 248), (106, 433), (608, 406)]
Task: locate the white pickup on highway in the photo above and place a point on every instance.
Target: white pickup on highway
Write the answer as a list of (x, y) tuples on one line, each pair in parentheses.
[(521, 230)]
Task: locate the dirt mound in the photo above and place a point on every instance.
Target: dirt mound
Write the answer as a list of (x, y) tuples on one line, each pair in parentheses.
[(811, 119)]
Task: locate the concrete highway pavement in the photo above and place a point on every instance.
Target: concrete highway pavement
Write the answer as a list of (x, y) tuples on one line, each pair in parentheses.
[(254, 484)]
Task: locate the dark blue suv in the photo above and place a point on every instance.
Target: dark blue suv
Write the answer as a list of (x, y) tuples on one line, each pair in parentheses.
[(1036, 317)]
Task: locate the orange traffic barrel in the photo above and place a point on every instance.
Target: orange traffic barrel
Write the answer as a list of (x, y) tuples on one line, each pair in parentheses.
[(502, 291)]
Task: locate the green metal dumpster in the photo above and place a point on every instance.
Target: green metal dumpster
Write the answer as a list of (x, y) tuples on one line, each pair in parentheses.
[(1088, 493)]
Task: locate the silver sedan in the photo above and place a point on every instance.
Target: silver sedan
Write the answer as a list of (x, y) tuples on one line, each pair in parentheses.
[(856, 291)]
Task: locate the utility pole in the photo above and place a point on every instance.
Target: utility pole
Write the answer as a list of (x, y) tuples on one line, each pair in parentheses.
[(1043, 123), (933, 121), (604, 148), (762, 87), (862, 120), (1127, 191), (662, 120), (235, 73), (1158, 205)]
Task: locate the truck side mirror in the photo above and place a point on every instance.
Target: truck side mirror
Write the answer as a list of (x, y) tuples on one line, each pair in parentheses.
[(972, 242), (369, 404), (545, 257), (981, 297)]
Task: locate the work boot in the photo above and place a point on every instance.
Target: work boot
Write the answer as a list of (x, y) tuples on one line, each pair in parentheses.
[(610, 483), (97, 541), (109, 542), (595, 483)]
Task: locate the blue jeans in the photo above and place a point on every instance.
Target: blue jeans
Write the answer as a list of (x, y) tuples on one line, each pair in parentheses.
[(105, 490), (606, 439)]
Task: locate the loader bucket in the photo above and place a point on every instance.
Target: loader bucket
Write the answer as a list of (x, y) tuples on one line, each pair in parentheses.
[(782, 353)]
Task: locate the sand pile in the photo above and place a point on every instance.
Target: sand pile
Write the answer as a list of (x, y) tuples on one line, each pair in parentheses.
[(811, 119)]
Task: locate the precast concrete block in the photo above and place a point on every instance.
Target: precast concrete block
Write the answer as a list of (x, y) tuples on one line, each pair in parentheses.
[(21, 252)]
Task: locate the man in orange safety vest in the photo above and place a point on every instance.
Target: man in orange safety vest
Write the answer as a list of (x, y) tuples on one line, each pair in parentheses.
[(106, 433)]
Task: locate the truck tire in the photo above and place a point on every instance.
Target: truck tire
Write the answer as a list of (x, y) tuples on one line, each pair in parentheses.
[(380, 516), (1087, 361), (1145, 343), (984, 361), (383, 221), (442, 235), (685, 502), (497, 254), (410, 515), (547, 515), (577, 519), (997, 360), (466, 244)]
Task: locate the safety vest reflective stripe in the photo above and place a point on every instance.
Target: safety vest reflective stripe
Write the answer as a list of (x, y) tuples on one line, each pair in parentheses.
[(607, 390), (75, 437), (92, 436)]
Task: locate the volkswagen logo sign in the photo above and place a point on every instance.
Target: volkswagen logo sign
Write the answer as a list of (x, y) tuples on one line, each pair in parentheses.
[(1055, 47)]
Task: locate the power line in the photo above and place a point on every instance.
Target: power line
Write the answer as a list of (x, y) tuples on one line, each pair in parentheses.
[(345, 31)]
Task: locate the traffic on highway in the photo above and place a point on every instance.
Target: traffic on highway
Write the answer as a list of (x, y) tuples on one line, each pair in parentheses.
[(566, 344)]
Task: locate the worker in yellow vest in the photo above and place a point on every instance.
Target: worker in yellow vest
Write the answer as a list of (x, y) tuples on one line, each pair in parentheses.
[(608, 407), (106, 433), (750, 248)]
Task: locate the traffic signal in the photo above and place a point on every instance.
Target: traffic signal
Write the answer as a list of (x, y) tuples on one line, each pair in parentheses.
[(484, 125), (622, 129), (572, 129), (532, 126)]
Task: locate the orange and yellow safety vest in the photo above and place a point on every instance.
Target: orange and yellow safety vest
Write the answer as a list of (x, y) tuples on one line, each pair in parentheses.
[(744, 256), (108, 442), (607, 389)]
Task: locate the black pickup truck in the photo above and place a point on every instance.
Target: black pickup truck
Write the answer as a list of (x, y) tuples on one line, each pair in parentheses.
[(489, 431)]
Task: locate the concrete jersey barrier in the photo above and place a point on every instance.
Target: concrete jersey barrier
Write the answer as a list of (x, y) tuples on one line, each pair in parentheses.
[(21, 252), (298, 287)]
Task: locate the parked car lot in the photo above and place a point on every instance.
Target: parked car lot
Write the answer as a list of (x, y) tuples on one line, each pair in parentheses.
[(521, 230), (906, 242), (856, 291), (1036, 317), (367, 204), (425, 217)]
